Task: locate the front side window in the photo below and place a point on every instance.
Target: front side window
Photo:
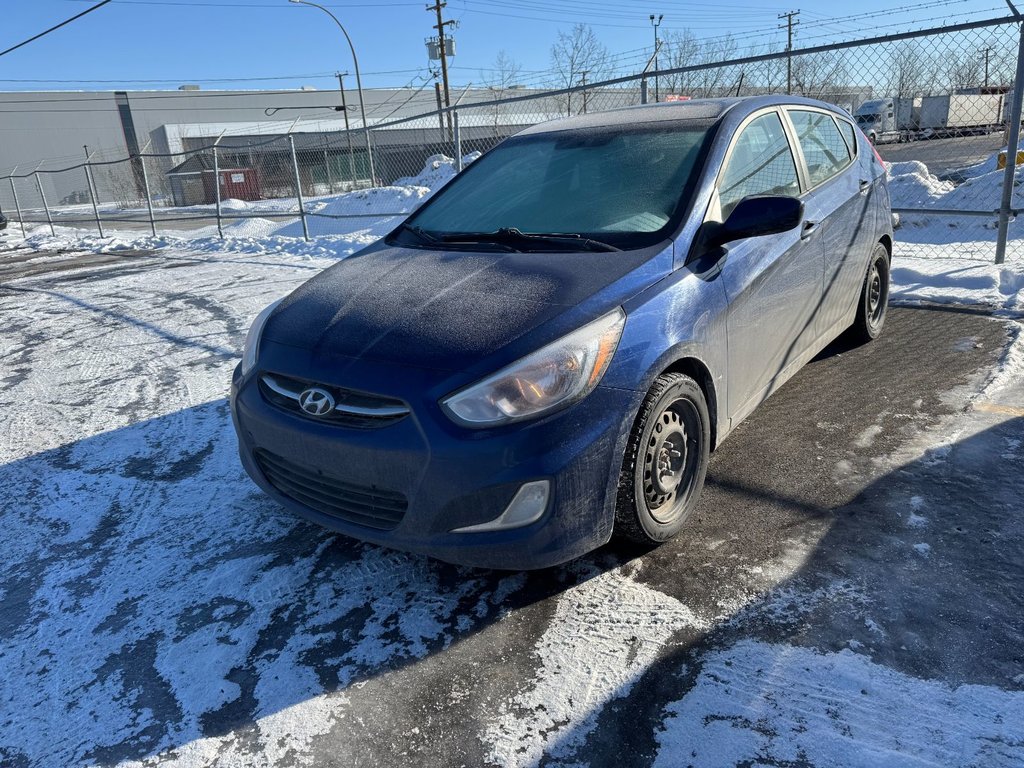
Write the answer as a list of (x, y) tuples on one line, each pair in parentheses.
[(823, 145), (606, 182), (760, 163)]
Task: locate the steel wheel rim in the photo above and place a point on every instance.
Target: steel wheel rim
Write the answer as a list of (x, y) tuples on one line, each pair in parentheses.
[(669, 460), (876, 294)]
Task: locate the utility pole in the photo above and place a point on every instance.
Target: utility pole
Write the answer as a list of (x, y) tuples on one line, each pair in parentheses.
[(791, 21), (443, 50), (985, 52), (348, 133), (440, 110), (656, 22)]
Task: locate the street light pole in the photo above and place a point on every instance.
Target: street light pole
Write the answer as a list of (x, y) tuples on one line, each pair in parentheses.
[(359, 83), (656, 22)]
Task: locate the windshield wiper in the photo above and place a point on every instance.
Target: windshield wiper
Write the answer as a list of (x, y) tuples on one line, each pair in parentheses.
[(422, 234), (514, 237)]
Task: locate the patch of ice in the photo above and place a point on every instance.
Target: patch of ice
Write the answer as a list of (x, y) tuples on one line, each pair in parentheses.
[(867, 438)]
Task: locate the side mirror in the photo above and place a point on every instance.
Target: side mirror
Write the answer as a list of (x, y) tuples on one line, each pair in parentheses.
[(754, 217)]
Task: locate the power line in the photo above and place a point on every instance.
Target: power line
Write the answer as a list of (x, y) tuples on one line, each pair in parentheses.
[(55, 27)]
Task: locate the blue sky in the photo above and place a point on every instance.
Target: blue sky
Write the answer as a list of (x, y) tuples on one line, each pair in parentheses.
[(162, 43)]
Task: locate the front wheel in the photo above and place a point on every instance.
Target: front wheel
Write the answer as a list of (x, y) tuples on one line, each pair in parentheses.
[(874, 297), (665, 463)]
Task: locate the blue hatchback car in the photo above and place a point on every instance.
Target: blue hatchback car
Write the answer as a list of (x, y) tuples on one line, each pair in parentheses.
[(546, 352)]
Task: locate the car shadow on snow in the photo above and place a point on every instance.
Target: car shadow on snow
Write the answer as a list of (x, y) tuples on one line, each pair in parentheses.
[(153, 596)]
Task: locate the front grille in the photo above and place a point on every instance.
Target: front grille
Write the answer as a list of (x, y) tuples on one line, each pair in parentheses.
[(352, 408), (363, 505)]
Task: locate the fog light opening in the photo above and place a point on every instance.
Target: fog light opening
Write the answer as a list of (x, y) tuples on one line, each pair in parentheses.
[(526, 507)]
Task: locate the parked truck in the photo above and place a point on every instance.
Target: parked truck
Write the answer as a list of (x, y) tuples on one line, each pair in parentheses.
[(885, 120), (961, 113)]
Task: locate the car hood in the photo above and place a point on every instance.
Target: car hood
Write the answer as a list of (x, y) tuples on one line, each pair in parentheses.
[(444, 310)]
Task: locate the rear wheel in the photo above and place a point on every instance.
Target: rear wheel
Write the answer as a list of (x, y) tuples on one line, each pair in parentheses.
[(665, 463), (874, 297)]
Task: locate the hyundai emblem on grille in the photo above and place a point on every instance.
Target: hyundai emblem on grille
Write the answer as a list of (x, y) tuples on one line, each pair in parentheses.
[(316, 401)]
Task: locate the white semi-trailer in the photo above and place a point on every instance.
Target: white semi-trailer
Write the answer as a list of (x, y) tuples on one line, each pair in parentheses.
[(961, 113)]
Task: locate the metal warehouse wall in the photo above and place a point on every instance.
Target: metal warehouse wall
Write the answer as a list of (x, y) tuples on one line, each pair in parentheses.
[(52, 126)]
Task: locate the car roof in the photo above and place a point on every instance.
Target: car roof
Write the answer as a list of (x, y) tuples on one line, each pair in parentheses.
[(705, 110)]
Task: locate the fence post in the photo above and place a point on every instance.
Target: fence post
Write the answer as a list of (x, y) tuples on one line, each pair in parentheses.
[(46, 208), (351, 160), (92, 195), (458, 141), (369, 157), (216, 190), (17, 205), (643, 91), (327, 170), (1012, 142), (148, 197), (298, 188)]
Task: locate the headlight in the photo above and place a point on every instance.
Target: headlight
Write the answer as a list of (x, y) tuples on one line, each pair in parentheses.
[(556, 375), (252, 338)]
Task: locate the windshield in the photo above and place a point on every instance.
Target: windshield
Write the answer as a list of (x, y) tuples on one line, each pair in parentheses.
[(607, 184)]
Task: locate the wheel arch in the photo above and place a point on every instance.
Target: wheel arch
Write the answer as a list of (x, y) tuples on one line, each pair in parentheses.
[(699, 372), (886, 240)]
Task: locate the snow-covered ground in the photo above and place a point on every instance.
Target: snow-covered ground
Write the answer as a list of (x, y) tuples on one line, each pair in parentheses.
[(157, 609)]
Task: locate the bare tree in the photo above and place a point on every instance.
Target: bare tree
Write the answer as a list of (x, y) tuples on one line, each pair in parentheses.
[(820, 75), (577, 57), (965, 71), (709, 77), (906, 70), (503, 76), (504, 73)]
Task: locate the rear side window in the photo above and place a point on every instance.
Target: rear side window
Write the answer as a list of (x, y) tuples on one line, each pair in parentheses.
[(851, 135), (761, 163), (823, 145)]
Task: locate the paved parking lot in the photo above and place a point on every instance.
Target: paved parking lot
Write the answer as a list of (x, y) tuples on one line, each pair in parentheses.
[(943, 155), (851, 580)]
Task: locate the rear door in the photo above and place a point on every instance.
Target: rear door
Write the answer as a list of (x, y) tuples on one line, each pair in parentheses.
[(773, 283), (838, 201)]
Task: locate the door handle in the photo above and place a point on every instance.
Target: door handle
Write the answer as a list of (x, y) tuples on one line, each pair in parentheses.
[(808, 229), (865, 185)]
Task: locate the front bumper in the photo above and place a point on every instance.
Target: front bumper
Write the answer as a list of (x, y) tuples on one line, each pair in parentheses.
[(454, 477)]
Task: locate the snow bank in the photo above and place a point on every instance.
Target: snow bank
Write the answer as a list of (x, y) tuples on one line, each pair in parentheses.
[(948, 236), (980, 169), (437, 171), (911, 185), (918, 280)]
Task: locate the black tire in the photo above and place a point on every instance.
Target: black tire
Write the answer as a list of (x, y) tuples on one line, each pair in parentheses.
[(874, 298), (672, 431)]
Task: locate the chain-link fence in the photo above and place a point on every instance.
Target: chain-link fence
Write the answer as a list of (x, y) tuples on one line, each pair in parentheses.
[(937, 104)]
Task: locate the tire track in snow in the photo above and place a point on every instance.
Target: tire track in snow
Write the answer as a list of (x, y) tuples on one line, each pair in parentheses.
[(606, 631)]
